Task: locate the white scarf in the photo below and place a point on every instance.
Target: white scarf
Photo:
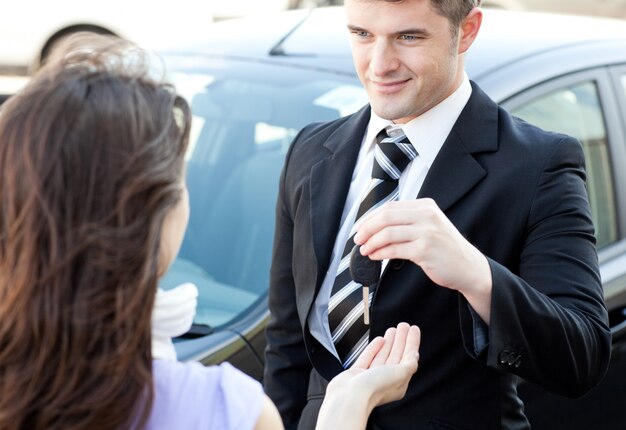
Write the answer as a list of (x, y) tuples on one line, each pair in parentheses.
[(172, 316)]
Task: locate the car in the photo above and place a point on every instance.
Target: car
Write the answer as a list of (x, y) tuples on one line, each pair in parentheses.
[(238, 8), (30, 28), (256, 82), (608, 8)]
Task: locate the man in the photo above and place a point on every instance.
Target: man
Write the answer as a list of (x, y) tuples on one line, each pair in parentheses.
[(483, 228)]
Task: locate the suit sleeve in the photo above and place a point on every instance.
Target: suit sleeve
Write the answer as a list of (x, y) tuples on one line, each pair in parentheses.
[(287, 366), (549, 324)]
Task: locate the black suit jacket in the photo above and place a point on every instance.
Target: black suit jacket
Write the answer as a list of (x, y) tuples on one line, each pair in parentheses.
[(514, 191)]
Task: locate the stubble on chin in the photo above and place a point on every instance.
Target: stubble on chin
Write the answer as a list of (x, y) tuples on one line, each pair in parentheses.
[(390, 111)]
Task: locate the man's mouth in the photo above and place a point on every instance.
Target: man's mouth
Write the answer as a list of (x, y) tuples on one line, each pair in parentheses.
[(389, 87)]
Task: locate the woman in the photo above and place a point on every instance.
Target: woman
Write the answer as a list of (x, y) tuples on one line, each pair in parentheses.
[(94, 207)]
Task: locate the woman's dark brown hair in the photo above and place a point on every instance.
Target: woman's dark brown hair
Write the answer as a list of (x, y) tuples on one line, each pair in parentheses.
[(91, 161)]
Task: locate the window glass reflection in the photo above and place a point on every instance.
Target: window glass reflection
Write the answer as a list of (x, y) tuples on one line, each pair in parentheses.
[(243, 123), (576, 110)]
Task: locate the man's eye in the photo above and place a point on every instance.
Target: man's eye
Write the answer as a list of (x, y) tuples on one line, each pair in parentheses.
[(408, 37), (360, 33)]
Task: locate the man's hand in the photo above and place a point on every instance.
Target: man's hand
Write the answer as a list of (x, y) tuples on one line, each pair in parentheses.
[(418, 231)]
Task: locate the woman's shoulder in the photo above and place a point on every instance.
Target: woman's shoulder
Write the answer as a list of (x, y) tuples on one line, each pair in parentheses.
[(193, 376), (190, 395)]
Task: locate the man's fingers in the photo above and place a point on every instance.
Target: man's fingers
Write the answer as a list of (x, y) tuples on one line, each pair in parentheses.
[(388, 235), (393, 213), (412, 251)]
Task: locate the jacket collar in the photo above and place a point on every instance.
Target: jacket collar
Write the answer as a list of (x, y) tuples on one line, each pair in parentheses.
[(455, 170)]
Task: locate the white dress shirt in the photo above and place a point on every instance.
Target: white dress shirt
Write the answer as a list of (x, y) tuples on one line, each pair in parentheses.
[(427, 133)]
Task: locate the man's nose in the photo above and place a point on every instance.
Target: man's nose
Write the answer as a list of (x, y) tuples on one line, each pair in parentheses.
[(383, 58)]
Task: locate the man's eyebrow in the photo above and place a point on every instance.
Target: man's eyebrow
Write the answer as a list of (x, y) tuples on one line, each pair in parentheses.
[(415, 31), (355, 28)]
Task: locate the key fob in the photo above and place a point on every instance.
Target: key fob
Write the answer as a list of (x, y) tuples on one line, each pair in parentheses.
[(363, 270)]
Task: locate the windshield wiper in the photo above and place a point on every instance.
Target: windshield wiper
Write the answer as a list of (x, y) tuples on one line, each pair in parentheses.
[(196, 331)]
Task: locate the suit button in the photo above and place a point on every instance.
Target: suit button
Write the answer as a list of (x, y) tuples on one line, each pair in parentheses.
[(398, 264), (504, 356), (518, 361), (512, 358)]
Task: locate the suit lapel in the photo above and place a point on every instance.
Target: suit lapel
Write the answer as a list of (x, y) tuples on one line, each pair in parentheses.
[(330, 183), (455, 170)]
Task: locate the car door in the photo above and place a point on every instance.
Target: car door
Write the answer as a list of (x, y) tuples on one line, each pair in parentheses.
[(590, 105)]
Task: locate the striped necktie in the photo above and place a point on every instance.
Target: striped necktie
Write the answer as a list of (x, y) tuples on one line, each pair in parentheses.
[(345, 308)]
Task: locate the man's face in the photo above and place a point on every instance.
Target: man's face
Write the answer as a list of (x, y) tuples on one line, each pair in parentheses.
[(405, 56)]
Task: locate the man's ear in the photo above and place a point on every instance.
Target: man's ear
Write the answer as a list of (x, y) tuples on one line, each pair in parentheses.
[(469, 29)]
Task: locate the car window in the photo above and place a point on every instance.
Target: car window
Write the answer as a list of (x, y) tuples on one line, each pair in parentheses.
[(576, 110), (244, 118)]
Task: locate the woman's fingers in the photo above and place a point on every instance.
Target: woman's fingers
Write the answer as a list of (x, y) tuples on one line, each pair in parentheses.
[(411, 351), (383, 353), (399, 344), (369, 353)]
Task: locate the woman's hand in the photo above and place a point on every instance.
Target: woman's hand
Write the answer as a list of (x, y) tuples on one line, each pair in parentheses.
[(380, 375)]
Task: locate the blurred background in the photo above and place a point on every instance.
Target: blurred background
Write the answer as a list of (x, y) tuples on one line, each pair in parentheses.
[(30, 28)]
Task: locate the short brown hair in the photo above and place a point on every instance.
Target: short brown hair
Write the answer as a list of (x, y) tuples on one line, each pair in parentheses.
[(454, 10), (91, 158)]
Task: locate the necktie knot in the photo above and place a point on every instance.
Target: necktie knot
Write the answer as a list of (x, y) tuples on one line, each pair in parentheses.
[(392, 155)]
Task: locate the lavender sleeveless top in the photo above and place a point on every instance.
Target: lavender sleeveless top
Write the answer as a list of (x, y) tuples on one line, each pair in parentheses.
[(190, 396)]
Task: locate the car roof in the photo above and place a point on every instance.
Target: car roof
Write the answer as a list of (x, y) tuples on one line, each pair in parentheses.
[(304, 36), (510, 36)]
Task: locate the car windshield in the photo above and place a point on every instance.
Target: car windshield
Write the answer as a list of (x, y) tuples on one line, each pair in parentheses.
[(244, 117)]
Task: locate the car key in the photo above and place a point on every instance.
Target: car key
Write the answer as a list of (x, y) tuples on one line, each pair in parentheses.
[(365, 272)]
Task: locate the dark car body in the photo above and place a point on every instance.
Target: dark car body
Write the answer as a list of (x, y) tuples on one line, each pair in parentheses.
[(255, 83)]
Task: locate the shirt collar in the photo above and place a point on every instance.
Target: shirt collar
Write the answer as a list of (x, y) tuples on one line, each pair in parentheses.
[(428, 131)]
